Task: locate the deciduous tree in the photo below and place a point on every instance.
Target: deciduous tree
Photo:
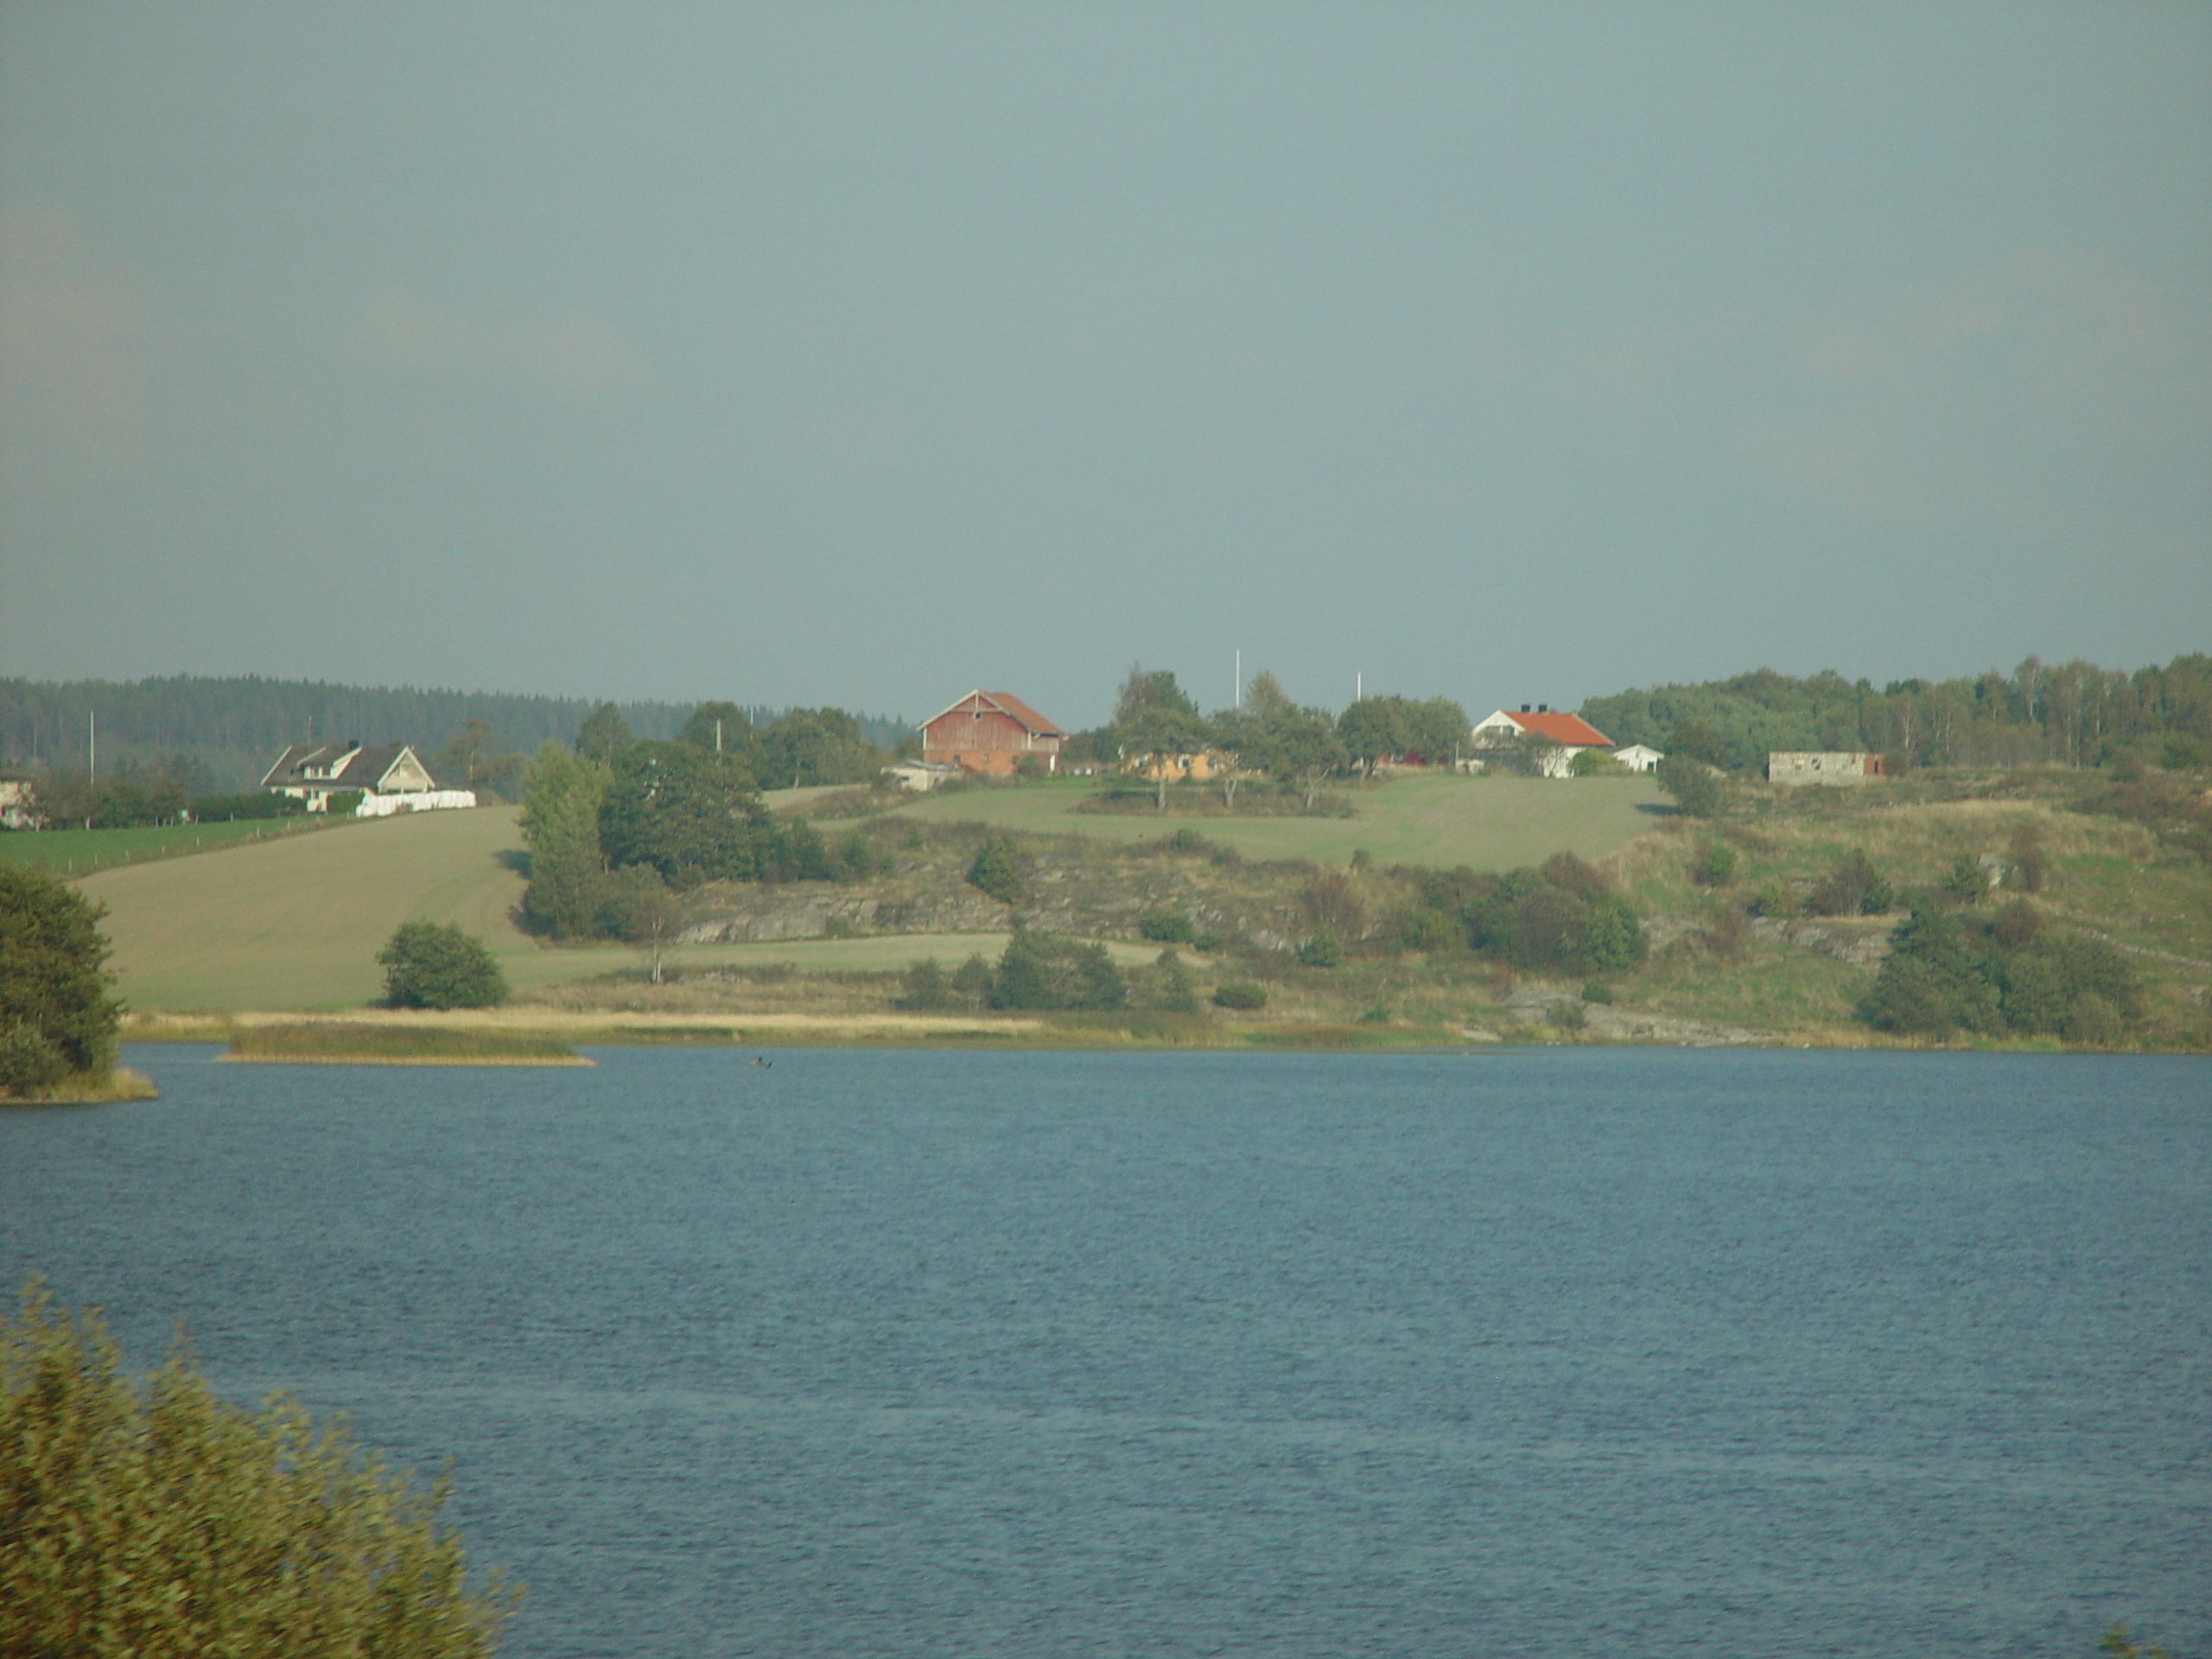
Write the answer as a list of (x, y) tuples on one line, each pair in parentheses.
[(57, 1018), (427, 966)]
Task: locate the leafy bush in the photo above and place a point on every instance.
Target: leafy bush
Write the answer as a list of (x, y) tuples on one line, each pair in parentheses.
[(1038, 971), (1241, 995), (1698, 789), (1948, 972), (2028, 867), (427, 966), (1597, 991), (1168, 928), (971, 980), (1324, 949), (1776, 898), (1854, 888), (56, 1017), (1714, 866), (152, 1518), (1000, 870), (1168, 988), (1431, 930), (1535, 924), (342, 803), (926, 988), (1967, 882)]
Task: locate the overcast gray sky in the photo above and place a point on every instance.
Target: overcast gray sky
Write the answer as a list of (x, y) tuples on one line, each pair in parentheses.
[(862, 355)]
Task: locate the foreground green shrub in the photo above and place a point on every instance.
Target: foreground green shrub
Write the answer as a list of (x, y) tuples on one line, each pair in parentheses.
[(426, 966), (1170, 927), (1241, 995), (149, 1519)]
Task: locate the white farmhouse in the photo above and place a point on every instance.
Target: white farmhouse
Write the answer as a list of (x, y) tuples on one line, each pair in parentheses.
[(1568, 734), (389, 775)]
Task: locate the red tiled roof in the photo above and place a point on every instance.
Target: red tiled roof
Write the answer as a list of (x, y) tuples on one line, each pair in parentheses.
[(1006, 703), (1570, 730)]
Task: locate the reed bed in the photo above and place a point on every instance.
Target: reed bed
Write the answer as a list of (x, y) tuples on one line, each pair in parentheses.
[(351, 1044)]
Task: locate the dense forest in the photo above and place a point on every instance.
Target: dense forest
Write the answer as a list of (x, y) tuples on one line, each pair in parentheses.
[(230, 730), (2071, 714)]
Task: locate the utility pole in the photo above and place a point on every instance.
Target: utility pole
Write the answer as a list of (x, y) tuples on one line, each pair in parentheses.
[(1236, 699), (718, 735), (1358, 686), (92, 744)]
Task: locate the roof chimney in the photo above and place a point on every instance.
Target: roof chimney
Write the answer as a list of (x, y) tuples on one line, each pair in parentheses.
[(1543, 707), (1524, 708)]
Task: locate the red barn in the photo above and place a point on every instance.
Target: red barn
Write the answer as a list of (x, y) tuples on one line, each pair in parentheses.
[(990, 731)]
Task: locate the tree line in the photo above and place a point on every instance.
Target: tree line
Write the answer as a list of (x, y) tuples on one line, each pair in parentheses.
[(229, 728), (2069, 713), (1296, 749)]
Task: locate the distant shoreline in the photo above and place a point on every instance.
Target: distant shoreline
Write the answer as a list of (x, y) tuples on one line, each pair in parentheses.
[(1107, 1033)]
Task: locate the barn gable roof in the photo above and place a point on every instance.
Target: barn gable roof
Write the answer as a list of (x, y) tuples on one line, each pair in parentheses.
[(1007, 704)]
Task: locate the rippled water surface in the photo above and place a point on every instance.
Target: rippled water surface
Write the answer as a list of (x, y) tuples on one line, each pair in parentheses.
[(1586, 1353)]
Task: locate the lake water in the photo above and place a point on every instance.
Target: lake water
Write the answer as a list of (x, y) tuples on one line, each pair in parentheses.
[(1605, 1352)]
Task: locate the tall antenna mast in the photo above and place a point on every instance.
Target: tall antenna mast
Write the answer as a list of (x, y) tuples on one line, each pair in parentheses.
[(93, 743), (1236, 697)]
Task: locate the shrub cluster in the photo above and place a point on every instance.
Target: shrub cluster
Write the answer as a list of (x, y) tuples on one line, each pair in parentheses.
[(1948, 971), (1559, 918), (1039, 972)]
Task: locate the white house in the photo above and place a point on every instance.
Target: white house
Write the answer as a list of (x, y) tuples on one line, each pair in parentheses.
[(1637, 758), (389, 775), (1568, 734)]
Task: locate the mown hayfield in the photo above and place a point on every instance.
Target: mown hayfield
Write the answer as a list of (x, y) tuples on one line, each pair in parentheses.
[(295, 922), (1491, 823)]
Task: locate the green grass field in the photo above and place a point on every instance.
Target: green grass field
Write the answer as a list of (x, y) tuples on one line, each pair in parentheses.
[(296, 922), (81, 852), (1491, 823)]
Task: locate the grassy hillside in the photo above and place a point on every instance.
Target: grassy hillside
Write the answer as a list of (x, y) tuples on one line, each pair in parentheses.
[(1491, 823), (295, 923)]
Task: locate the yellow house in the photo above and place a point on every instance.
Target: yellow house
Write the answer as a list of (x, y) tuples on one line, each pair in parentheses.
[(1194, 767)]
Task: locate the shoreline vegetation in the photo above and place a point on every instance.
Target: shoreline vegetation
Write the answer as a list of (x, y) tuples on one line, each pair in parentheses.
[(361, 1043), (98, 1088), (350, 1038), (2037, 911)]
